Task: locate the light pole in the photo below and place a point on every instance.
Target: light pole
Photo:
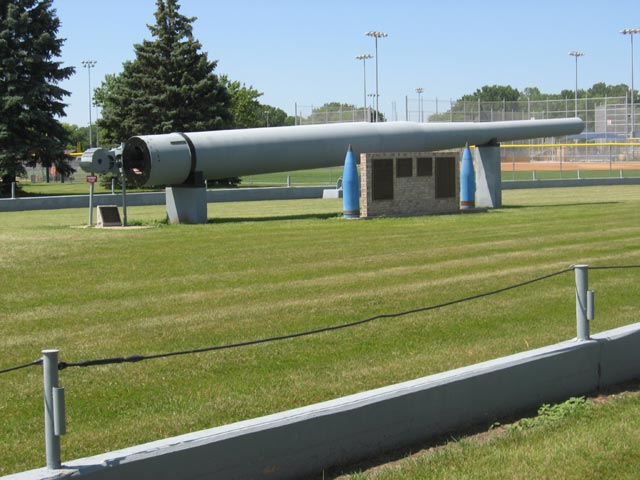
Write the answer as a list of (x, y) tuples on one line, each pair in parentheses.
[(376, 36), (576, 55), (89, 64), (364, 57), (630, 32), (420, 91)]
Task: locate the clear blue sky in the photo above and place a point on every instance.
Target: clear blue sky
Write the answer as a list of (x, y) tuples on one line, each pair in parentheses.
[(304, 50)]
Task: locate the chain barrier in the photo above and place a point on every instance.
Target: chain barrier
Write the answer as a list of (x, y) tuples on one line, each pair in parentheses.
[(139, 358)]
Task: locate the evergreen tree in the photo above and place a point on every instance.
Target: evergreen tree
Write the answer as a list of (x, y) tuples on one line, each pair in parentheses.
[(30, 98), (169, 87)]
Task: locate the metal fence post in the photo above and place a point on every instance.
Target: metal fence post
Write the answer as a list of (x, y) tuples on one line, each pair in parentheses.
[(52, 441), (582, 285)]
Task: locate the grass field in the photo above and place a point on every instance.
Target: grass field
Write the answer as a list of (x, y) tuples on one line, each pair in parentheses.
[(329, 176), (270, 268)]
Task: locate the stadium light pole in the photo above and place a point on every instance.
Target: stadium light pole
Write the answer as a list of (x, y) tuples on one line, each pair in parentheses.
[(576, 55), (420, 91), (376, 36), (630, 32), (89, 64), (364, 57)]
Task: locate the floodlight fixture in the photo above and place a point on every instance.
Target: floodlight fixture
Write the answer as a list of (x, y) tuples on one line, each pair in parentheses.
[(364, 57), (376, 35), (89, 64), (576, 54), (420, 91), (631, 32)]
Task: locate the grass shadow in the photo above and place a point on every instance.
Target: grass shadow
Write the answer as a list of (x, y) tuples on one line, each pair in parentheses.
[(307, 216), (581, 204)]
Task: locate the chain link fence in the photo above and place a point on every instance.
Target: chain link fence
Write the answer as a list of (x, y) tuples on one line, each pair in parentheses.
[(607, 139), (310, 115), (604, 116)]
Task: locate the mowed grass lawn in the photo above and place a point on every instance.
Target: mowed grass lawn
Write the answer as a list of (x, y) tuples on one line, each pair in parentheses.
[(320, 176), (597, 441), (270, 268)]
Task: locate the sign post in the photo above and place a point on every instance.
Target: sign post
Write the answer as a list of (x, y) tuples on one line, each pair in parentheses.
[(91, 180), (124, 198)]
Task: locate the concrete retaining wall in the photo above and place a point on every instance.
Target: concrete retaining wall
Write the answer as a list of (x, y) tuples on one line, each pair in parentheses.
[(304, 441), (78, 201), (157, 198)]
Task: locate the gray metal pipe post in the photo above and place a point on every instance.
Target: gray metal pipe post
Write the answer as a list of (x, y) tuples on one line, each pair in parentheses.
[(633, 107), (124, 199), (582, 285), (91, 204), (52, 441), (13, 190)]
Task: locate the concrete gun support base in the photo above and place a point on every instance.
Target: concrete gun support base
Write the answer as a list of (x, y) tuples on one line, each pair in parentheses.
[(305, 441)]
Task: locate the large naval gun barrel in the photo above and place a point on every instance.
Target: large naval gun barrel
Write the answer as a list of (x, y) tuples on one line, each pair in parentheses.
[(172, 159)]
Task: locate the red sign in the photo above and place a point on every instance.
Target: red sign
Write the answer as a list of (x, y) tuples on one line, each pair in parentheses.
[(92, 178)]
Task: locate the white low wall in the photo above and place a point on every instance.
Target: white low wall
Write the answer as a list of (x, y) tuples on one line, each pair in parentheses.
[(304, 441), (157, 198), (251, 194)]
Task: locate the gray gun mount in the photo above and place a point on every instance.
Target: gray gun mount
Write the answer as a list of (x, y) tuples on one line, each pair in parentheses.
[(101, 160), (174, 158)]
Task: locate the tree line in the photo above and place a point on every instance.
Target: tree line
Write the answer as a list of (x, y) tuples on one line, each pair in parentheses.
[(169, 86)]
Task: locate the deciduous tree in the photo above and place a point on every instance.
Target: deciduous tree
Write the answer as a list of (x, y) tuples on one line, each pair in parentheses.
[(248, 112)]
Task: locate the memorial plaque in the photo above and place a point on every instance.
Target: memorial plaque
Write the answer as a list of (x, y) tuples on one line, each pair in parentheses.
[(425, 166), (445, 177), (108, 216), (383, 179), (404, 167)]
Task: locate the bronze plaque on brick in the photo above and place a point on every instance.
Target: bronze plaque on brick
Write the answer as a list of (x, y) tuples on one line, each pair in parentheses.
[(404, 167), (445, 177), (383, 179), (425, 166)]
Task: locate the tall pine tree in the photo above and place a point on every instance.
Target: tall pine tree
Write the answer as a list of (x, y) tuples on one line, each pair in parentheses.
[(169, 87), (30, 98)]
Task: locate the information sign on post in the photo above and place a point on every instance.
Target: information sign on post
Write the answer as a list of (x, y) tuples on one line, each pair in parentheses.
[(92, 178)]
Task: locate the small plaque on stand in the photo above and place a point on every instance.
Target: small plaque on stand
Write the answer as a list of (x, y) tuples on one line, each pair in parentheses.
[(109, 216)]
